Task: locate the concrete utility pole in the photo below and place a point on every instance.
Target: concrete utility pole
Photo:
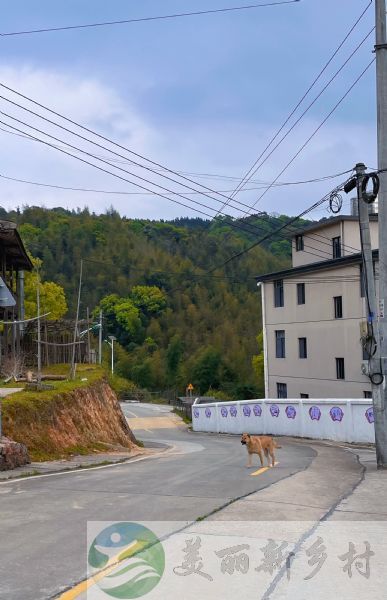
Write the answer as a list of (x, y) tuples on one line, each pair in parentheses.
[(100, 338), (380, 399), (72, 369), (39, 375), (372, 310)]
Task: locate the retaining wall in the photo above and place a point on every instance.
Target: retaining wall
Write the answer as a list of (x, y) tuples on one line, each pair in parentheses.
[(338, 420)]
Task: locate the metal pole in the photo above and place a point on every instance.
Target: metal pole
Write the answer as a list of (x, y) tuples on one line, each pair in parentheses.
[(39, 375), (112, 356), (72, 370), (88, 337), (100, 338), (380, 400)]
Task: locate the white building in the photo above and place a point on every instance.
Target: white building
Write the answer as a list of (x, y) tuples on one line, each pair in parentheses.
[(314, 315)]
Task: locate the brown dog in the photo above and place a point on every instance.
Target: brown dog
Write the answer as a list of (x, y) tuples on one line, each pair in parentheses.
[(258, 445)]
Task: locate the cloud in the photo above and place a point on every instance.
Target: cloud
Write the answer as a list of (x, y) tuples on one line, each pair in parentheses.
[(227, 145)]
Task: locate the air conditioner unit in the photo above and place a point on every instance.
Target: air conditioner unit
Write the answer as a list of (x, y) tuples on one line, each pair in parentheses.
[(365, 368)]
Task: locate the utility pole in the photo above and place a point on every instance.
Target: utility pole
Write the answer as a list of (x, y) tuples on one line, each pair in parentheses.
[(88, 336), (39, 375), (380, 398), (100, 338), (72, 370)]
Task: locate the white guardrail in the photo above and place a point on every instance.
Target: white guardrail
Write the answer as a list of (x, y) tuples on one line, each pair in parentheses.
[(331, 419)]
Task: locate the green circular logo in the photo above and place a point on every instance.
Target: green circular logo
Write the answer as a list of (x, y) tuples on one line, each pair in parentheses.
[(127, 560)]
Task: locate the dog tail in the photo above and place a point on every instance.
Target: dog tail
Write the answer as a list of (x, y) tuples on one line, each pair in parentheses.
[(276, 445)]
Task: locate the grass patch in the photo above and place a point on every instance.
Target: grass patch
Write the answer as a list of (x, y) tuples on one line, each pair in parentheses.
[(90, 374), (183, 416)]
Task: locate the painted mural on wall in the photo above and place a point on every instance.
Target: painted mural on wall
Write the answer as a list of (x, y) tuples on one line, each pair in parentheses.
[(290, 412), (208, 413), (196, 413), (257, 410), (369, 413), (274, 410), (247, 411), (233, 411), (336, 414), (224, 411), (315, 413)]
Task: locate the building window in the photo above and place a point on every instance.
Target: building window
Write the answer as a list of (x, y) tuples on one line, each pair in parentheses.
[(300, 293), (299, 243), (336, 247), (367, 394), (280, 343), (340, 372), (304, 395), (278, 293), (302, 348), (338, 304), (282, 390)]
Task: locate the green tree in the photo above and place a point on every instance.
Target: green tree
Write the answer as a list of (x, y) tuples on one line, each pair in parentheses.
[(174, 356), (52, 296), (149, 299), (206, 369)]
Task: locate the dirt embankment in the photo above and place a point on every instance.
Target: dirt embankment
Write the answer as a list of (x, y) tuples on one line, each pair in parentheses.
[(75, 422)]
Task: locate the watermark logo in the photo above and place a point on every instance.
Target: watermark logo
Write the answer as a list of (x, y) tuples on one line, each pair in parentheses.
[(127, 560)]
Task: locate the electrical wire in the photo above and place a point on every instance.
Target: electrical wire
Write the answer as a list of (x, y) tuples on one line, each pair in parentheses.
[(148, 19), (92, 142), (336, 106), (250, 173), (248, 229), (99, 145)]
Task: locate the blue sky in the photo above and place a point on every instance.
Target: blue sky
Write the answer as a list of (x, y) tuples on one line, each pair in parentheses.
[(201, 95)]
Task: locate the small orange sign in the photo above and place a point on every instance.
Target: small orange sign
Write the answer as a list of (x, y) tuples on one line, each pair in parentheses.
[(190, 387)]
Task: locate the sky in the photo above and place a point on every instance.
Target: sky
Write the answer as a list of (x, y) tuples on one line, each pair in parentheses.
[(201, 95)]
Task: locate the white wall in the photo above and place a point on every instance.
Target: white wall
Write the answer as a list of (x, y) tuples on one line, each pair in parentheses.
[(339, 420)]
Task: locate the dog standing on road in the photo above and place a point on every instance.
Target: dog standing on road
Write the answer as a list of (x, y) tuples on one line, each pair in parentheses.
[(258, 445)]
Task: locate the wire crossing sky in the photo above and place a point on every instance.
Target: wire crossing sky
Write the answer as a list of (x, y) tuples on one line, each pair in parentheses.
[(200, 97)]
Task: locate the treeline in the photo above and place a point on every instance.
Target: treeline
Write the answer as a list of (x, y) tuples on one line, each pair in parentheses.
[(202, 327)]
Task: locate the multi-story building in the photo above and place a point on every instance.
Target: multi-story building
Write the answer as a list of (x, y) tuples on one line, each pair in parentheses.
[(314, 314)]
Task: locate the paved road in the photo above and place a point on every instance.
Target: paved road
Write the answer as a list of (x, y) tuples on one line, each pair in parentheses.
[(43, 520)]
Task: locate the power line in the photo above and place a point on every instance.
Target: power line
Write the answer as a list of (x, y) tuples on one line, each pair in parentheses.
[(247, 177), (111, 151), (336, 106), (251, 227), (154, 18), (98, 191), (233, 224)]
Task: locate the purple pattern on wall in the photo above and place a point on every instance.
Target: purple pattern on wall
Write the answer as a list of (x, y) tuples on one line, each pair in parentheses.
[(257, 410), (315, 413), (233, 411), (291, 412), (224, 411), (274, 410), (336, 414), (247, 411), (208, 413), (196, 413), (369, 413)]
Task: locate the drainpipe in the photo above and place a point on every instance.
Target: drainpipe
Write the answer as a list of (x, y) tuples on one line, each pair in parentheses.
[(265, 361)]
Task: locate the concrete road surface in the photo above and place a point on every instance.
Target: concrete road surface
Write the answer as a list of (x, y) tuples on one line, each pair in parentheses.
[(43, 520)]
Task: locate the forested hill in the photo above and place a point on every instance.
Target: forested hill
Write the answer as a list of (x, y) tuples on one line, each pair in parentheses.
[(201, 328)]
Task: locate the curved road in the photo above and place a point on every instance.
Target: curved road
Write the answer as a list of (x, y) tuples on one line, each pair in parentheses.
[(43, 520)]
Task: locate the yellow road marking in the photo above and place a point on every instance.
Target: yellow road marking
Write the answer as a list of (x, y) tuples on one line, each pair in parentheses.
[(262, 470), (82, 587)]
